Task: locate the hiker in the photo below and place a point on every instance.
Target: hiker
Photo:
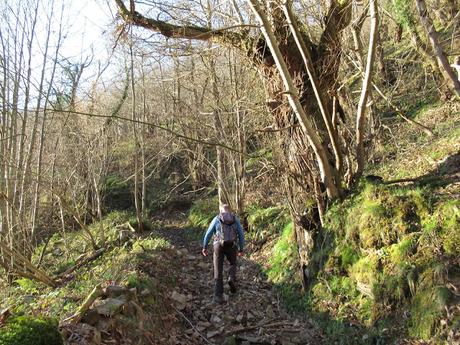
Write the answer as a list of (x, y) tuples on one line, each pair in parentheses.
[(226, 228)]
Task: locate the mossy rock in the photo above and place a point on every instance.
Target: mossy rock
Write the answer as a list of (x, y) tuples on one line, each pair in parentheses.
[(29, 330)]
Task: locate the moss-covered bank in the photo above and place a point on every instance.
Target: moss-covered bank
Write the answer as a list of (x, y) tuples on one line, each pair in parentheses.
[(388, 261)]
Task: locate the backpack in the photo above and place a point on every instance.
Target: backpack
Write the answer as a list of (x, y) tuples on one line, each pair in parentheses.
[(226, 233)]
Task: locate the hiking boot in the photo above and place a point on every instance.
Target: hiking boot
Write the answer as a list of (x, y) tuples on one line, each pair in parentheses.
[(218, 299), (232, 285)]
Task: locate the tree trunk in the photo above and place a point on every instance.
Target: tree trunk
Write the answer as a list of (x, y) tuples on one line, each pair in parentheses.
[(137, 202), (327, 172), (362, 105), (433, 36)]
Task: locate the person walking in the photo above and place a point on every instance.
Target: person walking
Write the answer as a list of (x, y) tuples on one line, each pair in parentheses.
[(226, 228)]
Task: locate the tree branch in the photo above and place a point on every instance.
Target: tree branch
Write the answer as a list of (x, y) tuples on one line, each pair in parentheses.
[(178, 31)]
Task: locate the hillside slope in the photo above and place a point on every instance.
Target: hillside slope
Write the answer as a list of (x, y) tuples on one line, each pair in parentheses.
[(386, 263)]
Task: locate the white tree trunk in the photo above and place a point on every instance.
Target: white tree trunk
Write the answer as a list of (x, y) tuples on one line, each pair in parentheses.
[(362, 105)]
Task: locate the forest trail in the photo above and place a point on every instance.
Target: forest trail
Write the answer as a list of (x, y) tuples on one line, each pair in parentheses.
[(254, 315)]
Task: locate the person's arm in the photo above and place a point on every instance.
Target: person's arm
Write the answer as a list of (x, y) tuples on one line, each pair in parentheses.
[(209, 233), (240, 232)]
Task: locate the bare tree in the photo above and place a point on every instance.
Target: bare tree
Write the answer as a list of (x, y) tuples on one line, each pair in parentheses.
[(447, 72)]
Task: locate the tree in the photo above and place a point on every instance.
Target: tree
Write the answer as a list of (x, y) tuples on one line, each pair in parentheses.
[(299, 69)]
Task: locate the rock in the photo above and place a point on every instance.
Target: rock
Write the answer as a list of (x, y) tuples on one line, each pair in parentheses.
[(203, 265), (215, 319), (86, 335), (182, 252), (252, 339), (110, 306), (179, 298), (269, 312), (124, 236), (145, 292), (132, 294), (239, 318), (129, 310), (106, 324), (212, 334), (114, 291), (91, 317)]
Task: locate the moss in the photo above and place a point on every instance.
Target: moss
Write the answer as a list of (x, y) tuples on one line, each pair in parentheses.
[(283, 261), (450, 220), (426, 309), (399, 253), (365, 273), (28, 330), (265, 221), (343, 257)]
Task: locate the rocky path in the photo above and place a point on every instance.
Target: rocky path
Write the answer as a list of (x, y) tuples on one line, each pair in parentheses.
[(254, 315)]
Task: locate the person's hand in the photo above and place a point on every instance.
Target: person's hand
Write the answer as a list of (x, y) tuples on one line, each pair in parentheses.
[(204, 252), (240, 253)]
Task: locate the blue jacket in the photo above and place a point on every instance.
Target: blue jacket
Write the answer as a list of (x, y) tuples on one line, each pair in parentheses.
[(215, 226)]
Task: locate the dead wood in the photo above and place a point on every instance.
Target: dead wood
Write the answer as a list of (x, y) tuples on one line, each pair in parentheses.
[(83, 261), (75, 318)]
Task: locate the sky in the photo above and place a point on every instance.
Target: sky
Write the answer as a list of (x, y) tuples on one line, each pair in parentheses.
[(89, 21), (89, 35)]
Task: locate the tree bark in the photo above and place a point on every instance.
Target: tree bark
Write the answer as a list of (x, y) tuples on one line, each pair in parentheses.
[(291, 92)]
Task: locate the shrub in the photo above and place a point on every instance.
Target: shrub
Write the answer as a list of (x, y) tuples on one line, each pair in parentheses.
[(28, 330)]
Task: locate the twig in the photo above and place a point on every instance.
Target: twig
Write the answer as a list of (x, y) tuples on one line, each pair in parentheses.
[(191, 324), (424, 128)]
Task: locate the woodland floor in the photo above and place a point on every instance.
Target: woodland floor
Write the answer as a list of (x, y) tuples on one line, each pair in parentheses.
[(254, 315)]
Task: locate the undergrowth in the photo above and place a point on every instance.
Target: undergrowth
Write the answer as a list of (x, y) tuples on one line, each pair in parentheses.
[(130, 259)]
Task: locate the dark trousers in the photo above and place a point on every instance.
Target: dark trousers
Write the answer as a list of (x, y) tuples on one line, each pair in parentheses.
[(229, 251)]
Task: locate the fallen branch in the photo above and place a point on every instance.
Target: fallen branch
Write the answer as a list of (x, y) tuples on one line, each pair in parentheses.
[(83, 262), (95, 293), (402, 180)]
